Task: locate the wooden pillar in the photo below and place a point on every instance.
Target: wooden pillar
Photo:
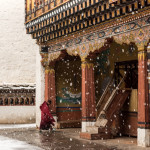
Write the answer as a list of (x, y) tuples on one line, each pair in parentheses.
[(143, 101), (88, 95), (47, 86), (52, 90), (148, 74), (50, 87)]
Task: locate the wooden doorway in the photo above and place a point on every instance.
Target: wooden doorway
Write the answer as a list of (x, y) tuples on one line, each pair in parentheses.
[(127, 122)]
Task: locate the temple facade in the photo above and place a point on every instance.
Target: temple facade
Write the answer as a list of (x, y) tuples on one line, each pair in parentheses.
[(93, 64)]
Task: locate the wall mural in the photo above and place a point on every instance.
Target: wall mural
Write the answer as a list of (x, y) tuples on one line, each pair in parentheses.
[(68, 83), (68, 89), (68, 97), (102, 62)]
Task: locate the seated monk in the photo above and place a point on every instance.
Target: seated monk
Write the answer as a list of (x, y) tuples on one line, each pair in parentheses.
[(47, 119)]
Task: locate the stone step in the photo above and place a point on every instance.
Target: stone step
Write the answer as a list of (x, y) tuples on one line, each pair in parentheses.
[(94, 136), (101, 122), (92, 129), (69, 124)]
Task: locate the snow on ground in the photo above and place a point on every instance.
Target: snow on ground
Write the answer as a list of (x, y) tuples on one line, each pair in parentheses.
[(12, 126), (11, 144)]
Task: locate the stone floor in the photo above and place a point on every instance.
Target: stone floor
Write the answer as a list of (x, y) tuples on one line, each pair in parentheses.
[(12, 144), (65, 139)]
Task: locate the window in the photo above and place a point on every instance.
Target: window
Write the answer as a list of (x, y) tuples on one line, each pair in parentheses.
[(32, 101), (11, 101), (1, 101), (17, 97), (6, 101), (27, 101), (16, 101), (21, 101)]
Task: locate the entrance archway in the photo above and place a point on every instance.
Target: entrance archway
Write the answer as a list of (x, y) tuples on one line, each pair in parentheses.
[(112, 63), (68, 91)]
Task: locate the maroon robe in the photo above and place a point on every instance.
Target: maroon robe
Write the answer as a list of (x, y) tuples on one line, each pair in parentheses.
[(46, 118)]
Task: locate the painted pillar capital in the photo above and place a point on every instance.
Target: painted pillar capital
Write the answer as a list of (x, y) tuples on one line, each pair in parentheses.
[(140, 47), (141, 52), (49, 69), (86, 63), (83, 59), (44, 60)]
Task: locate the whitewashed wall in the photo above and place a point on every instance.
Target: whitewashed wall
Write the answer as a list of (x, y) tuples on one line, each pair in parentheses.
[(17, 58), (17, 114), (40, 86), (17, 49)]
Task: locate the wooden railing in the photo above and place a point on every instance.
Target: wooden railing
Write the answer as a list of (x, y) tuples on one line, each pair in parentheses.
[(107, 97), (105, 91)]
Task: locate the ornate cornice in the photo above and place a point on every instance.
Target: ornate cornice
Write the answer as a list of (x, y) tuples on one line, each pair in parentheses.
[(128, 29), (121, 26), (88, 13), (54, 11), (111, 26)]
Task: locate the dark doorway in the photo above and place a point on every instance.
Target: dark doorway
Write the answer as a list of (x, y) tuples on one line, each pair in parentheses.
[(130, 68), (127, 122)]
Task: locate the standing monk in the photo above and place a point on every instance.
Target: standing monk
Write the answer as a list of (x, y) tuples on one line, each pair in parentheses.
[(47, 119)]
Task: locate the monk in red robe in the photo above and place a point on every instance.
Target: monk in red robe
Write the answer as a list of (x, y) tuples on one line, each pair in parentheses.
[(47, 119)]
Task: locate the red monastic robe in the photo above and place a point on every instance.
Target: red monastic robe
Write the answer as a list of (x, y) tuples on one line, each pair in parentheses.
[(46, 117)]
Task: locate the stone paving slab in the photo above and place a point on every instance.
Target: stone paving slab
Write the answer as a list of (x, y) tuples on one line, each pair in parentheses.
[(68, 139), (118, 143), (57, 140)]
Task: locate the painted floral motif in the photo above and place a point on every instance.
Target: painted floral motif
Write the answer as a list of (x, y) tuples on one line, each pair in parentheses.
[(54, 55)]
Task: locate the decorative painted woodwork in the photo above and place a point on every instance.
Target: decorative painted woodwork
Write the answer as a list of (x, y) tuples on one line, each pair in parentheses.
[(55, 55), (121, 34), (87, 17)]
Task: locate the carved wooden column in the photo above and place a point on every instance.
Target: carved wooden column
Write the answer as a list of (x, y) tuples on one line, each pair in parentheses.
[(88, 95), (52, 90), (50, 87), (47, 84), (143, 102)]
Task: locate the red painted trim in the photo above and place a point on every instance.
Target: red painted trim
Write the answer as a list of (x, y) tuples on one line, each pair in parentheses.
[(143, 103)]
